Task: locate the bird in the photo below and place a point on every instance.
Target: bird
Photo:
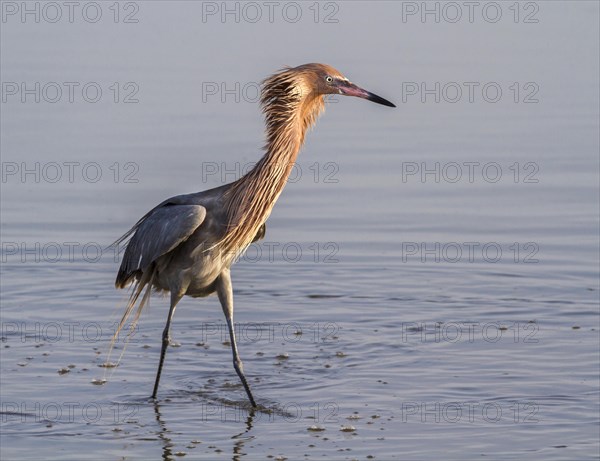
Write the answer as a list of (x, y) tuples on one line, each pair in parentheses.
[(187, 244)]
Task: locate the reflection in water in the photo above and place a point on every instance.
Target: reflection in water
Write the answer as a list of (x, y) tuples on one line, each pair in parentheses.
[(162, 434), (167, 443), (240, 439)]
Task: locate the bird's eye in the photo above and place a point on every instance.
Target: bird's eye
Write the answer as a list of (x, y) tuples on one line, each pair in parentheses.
[(329, 79)]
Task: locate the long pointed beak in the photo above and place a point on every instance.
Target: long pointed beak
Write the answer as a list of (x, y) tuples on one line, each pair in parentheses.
[(350, 89)]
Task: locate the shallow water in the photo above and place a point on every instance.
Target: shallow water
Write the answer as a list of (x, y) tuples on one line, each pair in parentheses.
[(428, 285)]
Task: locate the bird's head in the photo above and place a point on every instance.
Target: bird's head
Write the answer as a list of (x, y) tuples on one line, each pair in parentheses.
[(309, 83), (322, 79), (293, 98)]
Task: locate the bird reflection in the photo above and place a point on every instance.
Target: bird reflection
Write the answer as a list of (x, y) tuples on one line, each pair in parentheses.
[(240, 439), (167, 444)]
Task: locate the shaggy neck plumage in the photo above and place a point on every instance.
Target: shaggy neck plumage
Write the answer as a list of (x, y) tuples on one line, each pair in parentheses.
[(290, 110)]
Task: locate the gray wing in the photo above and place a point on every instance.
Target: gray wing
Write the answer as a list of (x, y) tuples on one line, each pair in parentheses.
[(156, 234)]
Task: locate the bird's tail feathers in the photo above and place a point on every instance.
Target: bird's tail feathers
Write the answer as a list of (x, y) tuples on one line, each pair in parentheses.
[(146, 282)]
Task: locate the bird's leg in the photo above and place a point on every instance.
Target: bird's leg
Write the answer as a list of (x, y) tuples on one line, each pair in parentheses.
[(225, 292), (166, 339)]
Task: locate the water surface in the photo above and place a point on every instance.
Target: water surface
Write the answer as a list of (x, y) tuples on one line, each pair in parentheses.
[(428, 285)]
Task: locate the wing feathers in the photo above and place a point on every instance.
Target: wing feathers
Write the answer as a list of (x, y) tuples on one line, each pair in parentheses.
[(156, 234)]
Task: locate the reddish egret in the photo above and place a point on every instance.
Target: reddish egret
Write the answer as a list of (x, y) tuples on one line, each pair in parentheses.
[(186, 244)]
